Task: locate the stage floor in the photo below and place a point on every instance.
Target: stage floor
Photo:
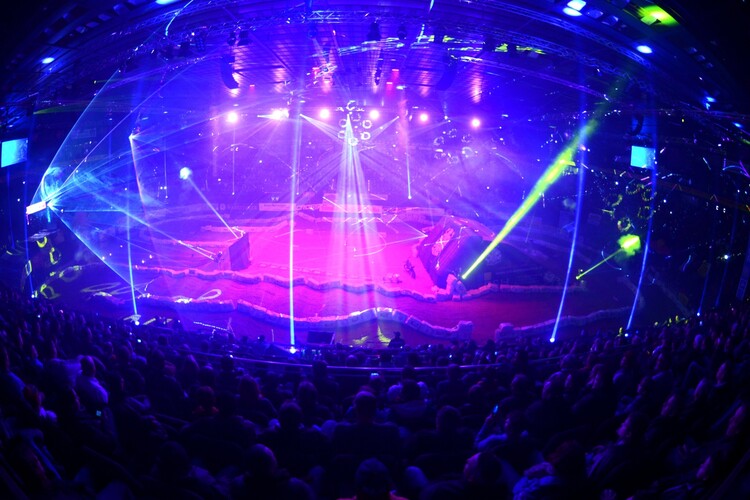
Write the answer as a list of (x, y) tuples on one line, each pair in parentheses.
[(349, 279)]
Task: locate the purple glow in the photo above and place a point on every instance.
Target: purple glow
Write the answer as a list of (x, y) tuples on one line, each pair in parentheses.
[(374, 114), (325, 114), (233, 117)]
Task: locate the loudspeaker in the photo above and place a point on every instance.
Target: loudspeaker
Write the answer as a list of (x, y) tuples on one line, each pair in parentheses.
[(320, 338), (239, 253), (227, 72)]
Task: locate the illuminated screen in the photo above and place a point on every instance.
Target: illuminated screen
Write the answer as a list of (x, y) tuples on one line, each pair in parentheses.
[(642, 157), (14, 152)]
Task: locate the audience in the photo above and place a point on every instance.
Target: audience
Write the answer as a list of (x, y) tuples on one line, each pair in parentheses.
[(95, 407)]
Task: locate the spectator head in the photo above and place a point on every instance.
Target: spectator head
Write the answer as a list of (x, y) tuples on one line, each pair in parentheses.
[(738, 422), (88, 368), (172, 462), (520, 384), (408, 373), (372, 480), (483, 469), (410, 391), (248, 388), (568, 459), (307, 394), (633, 428), (454, 372), (672, 407), (448, 419), (226, 403), (290, 416), (319, 369), (515, 424), (261, 462), (365, 406)]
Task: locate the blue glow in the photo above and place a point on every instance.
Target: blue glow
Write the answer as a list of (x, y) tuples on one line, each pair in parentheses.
[(48, 60), (644, 49), (710, 99), (166, 2), (571, 12), (738, 125)]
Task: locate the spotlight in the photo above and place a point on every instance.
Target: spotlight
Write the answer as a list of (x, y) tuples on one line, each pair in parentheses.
[(185, 173), (475, 122), (401, 33), (423, 117), (279, 114), (325, 113), (232, 117), (644, 49), (374, 114), (47, 60), (373, 34)]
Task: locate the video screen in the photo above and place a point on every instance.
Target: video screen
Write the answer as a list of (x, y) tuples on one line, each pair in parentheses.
[(14, 151), (641, 157)]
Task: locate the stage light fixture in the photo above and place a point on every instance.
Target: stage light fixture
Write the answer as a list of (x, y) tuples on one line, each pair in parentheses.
[(233, 117), (185, 173), (374, 114), (439, 35), (244, 38), (325, 113), (576, 4), (489, 44), (184, 49), (401, 33), (571, 12), (48, 60), (373, 34), (644, 49), (475, 122), (312, 30), (423, 117)]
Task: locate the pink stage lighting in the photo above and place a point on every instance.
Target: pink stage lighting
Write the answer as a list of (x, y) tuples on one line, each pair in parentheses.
[(232, 117), (423, 117), (325, 114), (475, 122)]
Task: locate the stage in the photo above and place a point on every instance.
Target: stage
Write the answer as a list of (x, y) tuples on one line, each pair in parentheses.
[(357, 277)]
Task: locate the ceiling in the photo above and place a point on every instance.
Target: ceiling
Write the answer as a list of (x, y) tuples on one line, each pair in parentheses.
[(524, 60)]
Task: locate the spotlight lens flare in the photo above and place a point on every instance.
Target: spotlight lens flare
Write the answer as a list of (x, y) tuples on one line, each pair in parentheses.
[(325, 113), (185, 173), (644, 49), (476, 122), (48, 60), (232, 117), (423, 117), (374, 114)]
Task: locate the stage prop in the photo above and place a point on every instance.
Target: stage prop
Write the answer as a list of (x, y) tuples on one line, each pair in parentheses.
[(450, 248), (239, 254)]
